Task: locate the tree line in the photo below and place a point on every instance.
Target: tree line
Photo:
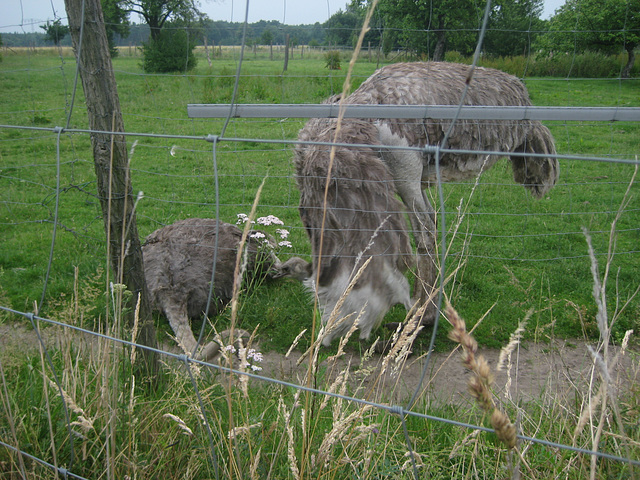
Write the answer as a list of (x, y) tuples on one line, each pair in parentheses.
[(424, 29), (217, 32)]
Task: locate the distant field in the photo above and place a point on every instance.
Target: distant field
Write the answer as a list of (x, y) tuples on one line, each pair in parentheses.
[(513, 251)]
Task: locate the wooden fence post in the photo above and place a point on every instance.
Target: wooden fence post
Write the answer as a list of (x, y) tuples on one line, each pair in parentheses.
[(112, 166)]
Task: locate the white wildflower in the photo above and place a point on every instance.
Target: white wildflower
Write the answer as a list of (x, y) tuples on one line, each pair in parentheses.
[(270, 220), (284, 233), (254, 355), (242, 218)]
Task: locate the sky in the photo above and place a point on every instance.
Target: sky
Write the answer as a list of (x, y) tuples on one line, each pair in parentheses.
[(27, 15)]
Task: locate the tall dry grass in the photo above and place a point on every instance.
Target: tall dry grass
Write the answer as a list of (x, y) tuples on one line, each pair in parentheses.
[(205, 422)]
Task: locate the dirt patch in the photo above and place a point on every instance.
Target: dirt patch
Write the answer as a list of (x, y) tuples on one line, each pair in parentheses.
[(556, 369), (536, 370)]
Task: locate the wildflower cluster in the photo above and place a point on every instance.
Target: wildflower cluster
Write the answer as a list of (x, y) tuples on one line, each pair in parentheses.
[(269, 220), (250, 354)]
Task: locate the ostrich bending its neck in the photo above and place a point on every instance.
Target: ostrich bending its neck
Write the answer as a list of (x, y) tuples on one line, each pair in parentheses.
[(178, 263), (435, 83)]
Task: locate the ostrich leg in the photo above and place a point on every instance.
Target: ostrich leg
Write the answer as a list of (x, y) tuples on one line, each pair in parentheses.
[(176, 313), (406, 169), (422, 218)]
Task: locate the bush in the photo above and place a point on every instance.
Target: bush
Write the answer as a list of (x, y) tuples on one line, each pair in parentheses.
[(584, 65), (170, 52), (332, 60)]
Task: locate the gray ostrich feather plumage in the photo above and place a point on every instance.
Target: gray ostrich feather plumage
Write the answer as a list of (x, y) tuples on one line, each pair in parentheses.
[(178, 263), (364, 181), (363, 220), (441, 83)]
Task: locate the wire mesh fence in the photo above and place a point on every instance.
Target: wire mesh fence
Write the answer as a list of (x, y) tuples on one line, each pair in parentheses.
[(534, 251)]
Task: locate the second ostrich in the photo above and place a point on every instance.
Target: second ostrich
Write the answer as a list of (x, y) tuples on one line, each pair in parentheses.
[(178, 263), (363, 221), (441, 83)]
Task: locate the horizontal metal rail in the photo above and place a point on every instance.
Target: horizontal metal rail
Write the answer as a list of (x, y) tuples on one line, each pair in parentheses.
[(599, 114)]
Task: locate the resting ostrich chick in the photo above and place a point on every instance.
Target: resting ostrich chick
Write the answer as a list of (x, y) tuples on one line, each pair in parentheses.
[(178, 262), (436, 83), (363, 221)]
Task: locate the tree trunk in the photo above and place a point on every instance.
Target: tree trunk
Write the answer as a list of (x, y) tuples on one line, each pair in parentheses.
[(441, 41), (154, 33), (286, 53), (103, 108), (631, 57)]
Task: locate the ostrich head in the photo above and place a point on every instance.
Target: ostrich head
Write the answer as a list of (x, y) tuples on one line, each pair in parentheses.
[(537, 174), (295, 268)]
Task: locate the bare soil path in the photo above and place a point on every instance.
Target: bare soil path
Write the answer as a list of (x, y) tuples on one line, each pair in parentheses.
[(538, 371)]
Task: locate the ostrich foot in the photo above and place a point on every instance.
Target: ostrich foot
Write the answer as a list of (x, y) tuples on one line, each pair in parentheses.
[(208, 352), (211, 350), (384, 345), (428, 320)]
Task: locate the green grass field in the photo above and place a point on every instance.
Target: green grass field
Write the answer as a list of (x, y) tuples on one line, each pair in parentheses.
[(518, 253), (513, 255)]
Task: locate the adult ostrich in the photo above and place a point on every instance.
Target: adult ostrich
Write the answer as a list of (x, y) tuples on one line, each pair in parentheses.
[(440, 83), (178, 262), (363, 221)]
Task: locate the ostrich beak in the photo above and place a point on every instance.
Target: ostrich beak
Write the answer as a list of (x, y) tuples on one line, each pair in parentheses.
[(295, 268), (277, 271)]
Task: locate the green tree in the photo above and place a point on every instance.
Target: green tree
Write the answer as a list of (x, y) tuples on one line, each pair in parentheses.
[(342, 27), (168, 50), (116, 21), (157, 13), (513, 27), (267, 39), (55, 32), (171, 51), (605, 26), (431, 27)]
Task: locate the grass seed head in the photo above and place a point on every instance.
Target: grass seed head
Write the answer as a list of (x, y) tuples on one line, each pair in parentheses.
[(505, 430), (482, 378)]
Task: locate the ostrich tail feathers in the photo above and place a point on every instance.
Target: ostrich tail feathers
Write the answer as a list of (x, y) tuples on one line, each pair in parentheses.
[(537, 174)]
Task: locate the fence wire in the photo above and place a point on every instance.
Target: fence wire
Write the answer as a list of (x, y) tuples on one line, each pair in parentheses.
[(392, 409), (215, 142)]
